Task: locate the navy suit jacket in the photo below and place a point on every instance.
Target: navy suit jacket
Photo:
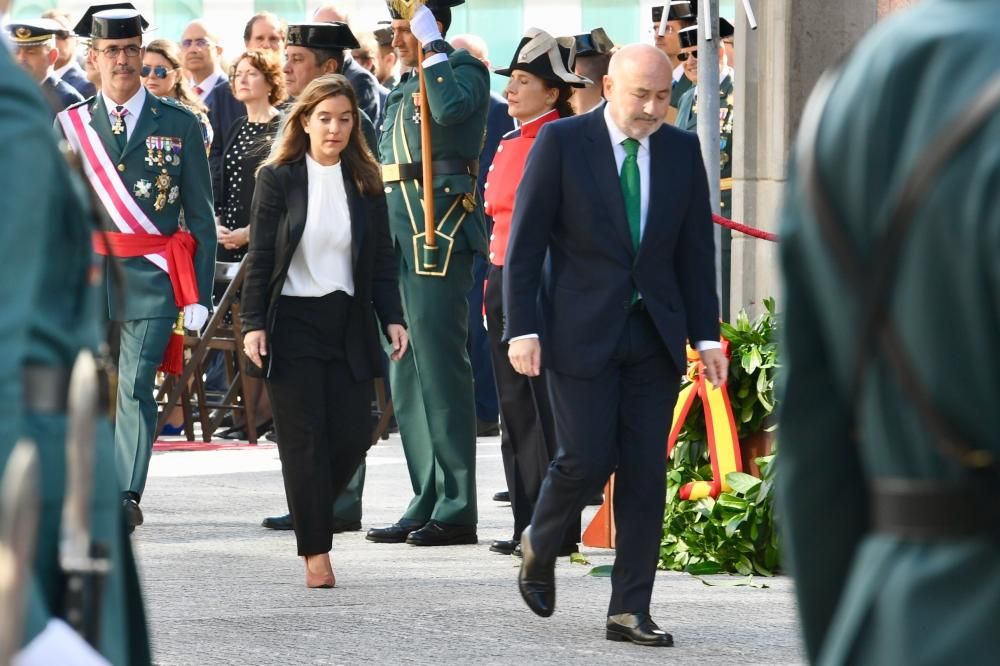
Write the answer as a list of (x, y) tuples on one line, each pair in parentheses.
[(223, 111), (570, 209), (365, 87), (76, 78)]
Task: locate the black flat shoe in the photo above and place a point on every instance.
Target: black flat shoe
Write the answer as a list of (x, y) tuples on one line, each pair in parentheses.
[(340, 525), (395, 533), (133, 514), (637, 628), (502, 496), (443, 534), (278, 522), (536, 580), (504, 547)]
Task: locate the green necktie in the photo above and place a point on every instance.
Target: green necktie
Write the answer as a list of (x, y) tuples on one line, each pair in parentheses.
[(630, 189)]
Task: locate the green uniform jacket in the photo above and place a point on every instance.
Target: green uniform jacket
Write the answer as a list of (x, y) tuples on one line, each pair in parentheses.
[(458, 93), (147, 293), (687, 119), (868, 598)]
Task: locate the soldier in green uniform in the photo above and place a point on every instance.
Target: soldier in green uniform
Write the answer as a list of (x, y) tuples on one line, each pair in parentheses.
[(52, 294), (888, 484), (432, 387), (145, 159), (687, 119)]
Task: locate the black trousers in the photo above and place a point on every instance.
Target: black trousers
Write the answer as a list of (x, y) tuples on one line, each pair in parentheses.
[(321, 413), (528, 440), (616, 422)]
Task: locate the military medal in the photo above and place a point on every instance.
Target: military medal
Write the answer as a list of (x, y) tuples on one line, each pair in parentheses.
[(174, 193), (416, 108), (142, 189), (118, 127), (162, 187)]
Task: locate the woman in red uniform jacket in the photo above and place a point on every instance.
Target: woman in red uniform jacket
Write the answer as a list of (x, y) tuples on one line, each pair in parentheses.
[(541, 83)]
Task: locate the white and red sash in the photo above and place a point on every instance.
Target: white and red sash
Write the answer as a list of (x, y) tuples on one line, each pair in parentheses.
[(119, 203)]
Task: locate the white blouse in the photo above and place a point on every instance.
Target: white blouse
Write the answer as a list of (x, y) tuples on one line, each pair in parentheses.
[(322, 261)]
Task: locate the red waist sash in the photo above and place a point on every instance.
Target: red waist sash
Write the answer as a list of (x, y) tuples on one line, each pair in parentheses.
[(179, 249)]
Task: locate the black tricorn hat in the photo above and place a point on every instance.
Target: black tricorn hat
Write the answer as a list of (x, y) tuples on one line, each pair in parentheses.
[(440, 8), (726, 29), (383, 33), (330, 36), (593, 43), (546, 57), (679, 11), (119, 20), (688, 36)]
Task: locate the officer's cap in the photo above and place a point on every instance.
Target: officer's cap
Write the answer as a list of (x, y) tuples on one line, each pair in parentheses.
[(330, 36), (679, 11), (593, 43), (116, 20), (33, 32), (546, 57)]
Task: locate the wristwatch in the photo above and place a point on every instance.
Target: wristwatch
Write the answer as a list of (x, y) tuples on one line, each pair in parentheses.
[(436, 46)]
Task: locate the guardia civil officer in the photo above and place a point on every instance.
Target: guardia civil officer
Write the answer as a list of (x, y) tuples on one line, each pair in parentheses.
[(51, 289), (888, 465), (432, 386), (146, 162), (35, 50), (593, 54)]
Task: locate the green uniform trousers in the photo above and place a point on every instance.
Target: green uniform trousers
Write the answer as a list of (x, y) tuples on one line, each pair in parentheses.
[(143, 342), (433, 397), (123, 626), (348, 504)]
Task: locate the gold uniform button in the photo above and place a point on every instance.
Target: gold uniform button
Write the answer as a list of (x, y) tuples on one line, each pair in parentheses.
[(121, 167), (440, 79)]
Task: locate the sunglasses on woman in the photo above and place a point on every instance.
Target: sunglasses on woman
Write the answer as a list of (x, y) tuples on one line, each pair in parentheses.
[(159, 71), (682, 57)]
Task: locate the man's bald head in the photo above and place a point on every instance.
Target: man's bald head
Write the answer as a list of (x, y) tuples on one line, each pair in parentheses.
[(331, 14), (637, 88), (475, 45), (200, 50)]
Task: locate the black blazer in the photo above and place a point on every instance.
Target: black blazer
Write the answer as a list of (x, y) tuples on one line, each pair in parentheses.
[(277, 219), (570, 207), (223, 111)]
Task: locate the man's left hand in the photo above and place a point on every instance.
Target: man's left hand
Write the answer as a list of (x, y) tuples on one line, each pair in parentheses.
[(716, 366)]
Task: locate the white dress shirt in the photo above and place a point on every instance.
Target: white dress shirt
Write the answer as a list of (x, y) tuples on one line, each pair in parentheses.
[(322, 261), (208, 85), (133, 106)]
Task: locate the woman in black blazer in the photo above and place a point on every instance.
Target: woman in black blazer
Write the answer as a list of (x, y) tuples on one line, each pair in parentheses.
[(320, 258)]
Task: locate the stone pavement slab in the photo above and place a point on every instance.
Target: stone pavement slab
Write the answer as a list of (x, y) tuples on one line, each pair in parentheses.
[(222, 590)]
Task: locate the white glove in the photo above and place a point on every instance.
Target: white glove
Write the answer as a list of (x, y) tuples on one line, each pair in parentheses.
[(195, 316), (424, 26), (58, 644)]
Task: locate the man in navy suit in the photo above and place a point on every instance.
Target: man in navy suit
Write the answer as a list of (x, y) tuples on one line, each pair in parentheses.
[(614, 204), (66, 68)]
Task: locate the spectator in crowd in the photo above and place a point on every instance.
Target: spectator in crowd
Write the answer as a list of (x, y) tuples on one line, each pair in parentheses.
[(666, 31), (541, 85), (35, 51), (365, 56), (265, 31), (364, 82), (320, 258), (163, 76), (387, 62), (593, 54), (202, 53), (67, 66)]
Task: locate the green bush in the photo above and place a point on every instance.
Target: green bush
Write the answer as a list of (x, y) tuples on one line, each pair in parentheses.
[(734, 533)]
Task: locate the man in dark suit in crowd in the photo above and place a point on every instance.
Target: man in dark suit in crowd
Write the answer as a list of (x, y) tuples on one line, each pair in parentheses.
[(615, 204), (364, 82), (201, 51), (67, 68)]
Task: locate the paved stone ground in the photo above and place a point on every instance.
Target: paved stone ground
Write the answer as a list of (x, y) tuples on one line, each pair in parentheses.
[(222, 590)]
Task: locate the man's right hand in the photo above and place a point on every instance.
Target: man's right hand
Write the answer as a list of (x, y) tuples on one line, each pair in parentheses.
[(526, 356), (255, 346)]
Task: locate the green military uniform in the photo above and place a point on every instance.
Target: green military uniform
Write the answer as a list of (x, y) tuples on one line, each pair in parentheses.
[(870, 597), (687, 119), (432, 388), (51, 294), (678, 89)]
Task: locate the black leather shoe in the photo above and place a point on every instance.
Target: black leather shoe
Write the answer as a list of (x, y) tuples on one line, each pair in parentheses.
[(443, 534), (596, 500), (504, 547), (340, 525), (502, 496), (395, 533), (278, 522), (536, 580), (638, 628), (133, 514)]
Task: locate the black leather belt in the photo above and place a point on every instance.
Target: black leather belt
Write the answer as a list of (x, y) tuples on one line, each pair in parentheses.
[(392, 173), (46, 389), (918, 510)]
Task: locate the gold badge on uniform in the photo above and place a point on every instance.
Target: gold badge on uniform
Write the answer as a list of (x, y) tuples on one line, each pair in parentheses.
[(162, 188), (163, 150)]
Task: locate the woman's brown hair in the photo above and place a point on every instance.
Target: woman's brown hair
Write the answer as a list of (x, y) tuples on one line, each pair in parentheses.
[(562, 104), (182, 89), (267, 64), (293, 143)]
